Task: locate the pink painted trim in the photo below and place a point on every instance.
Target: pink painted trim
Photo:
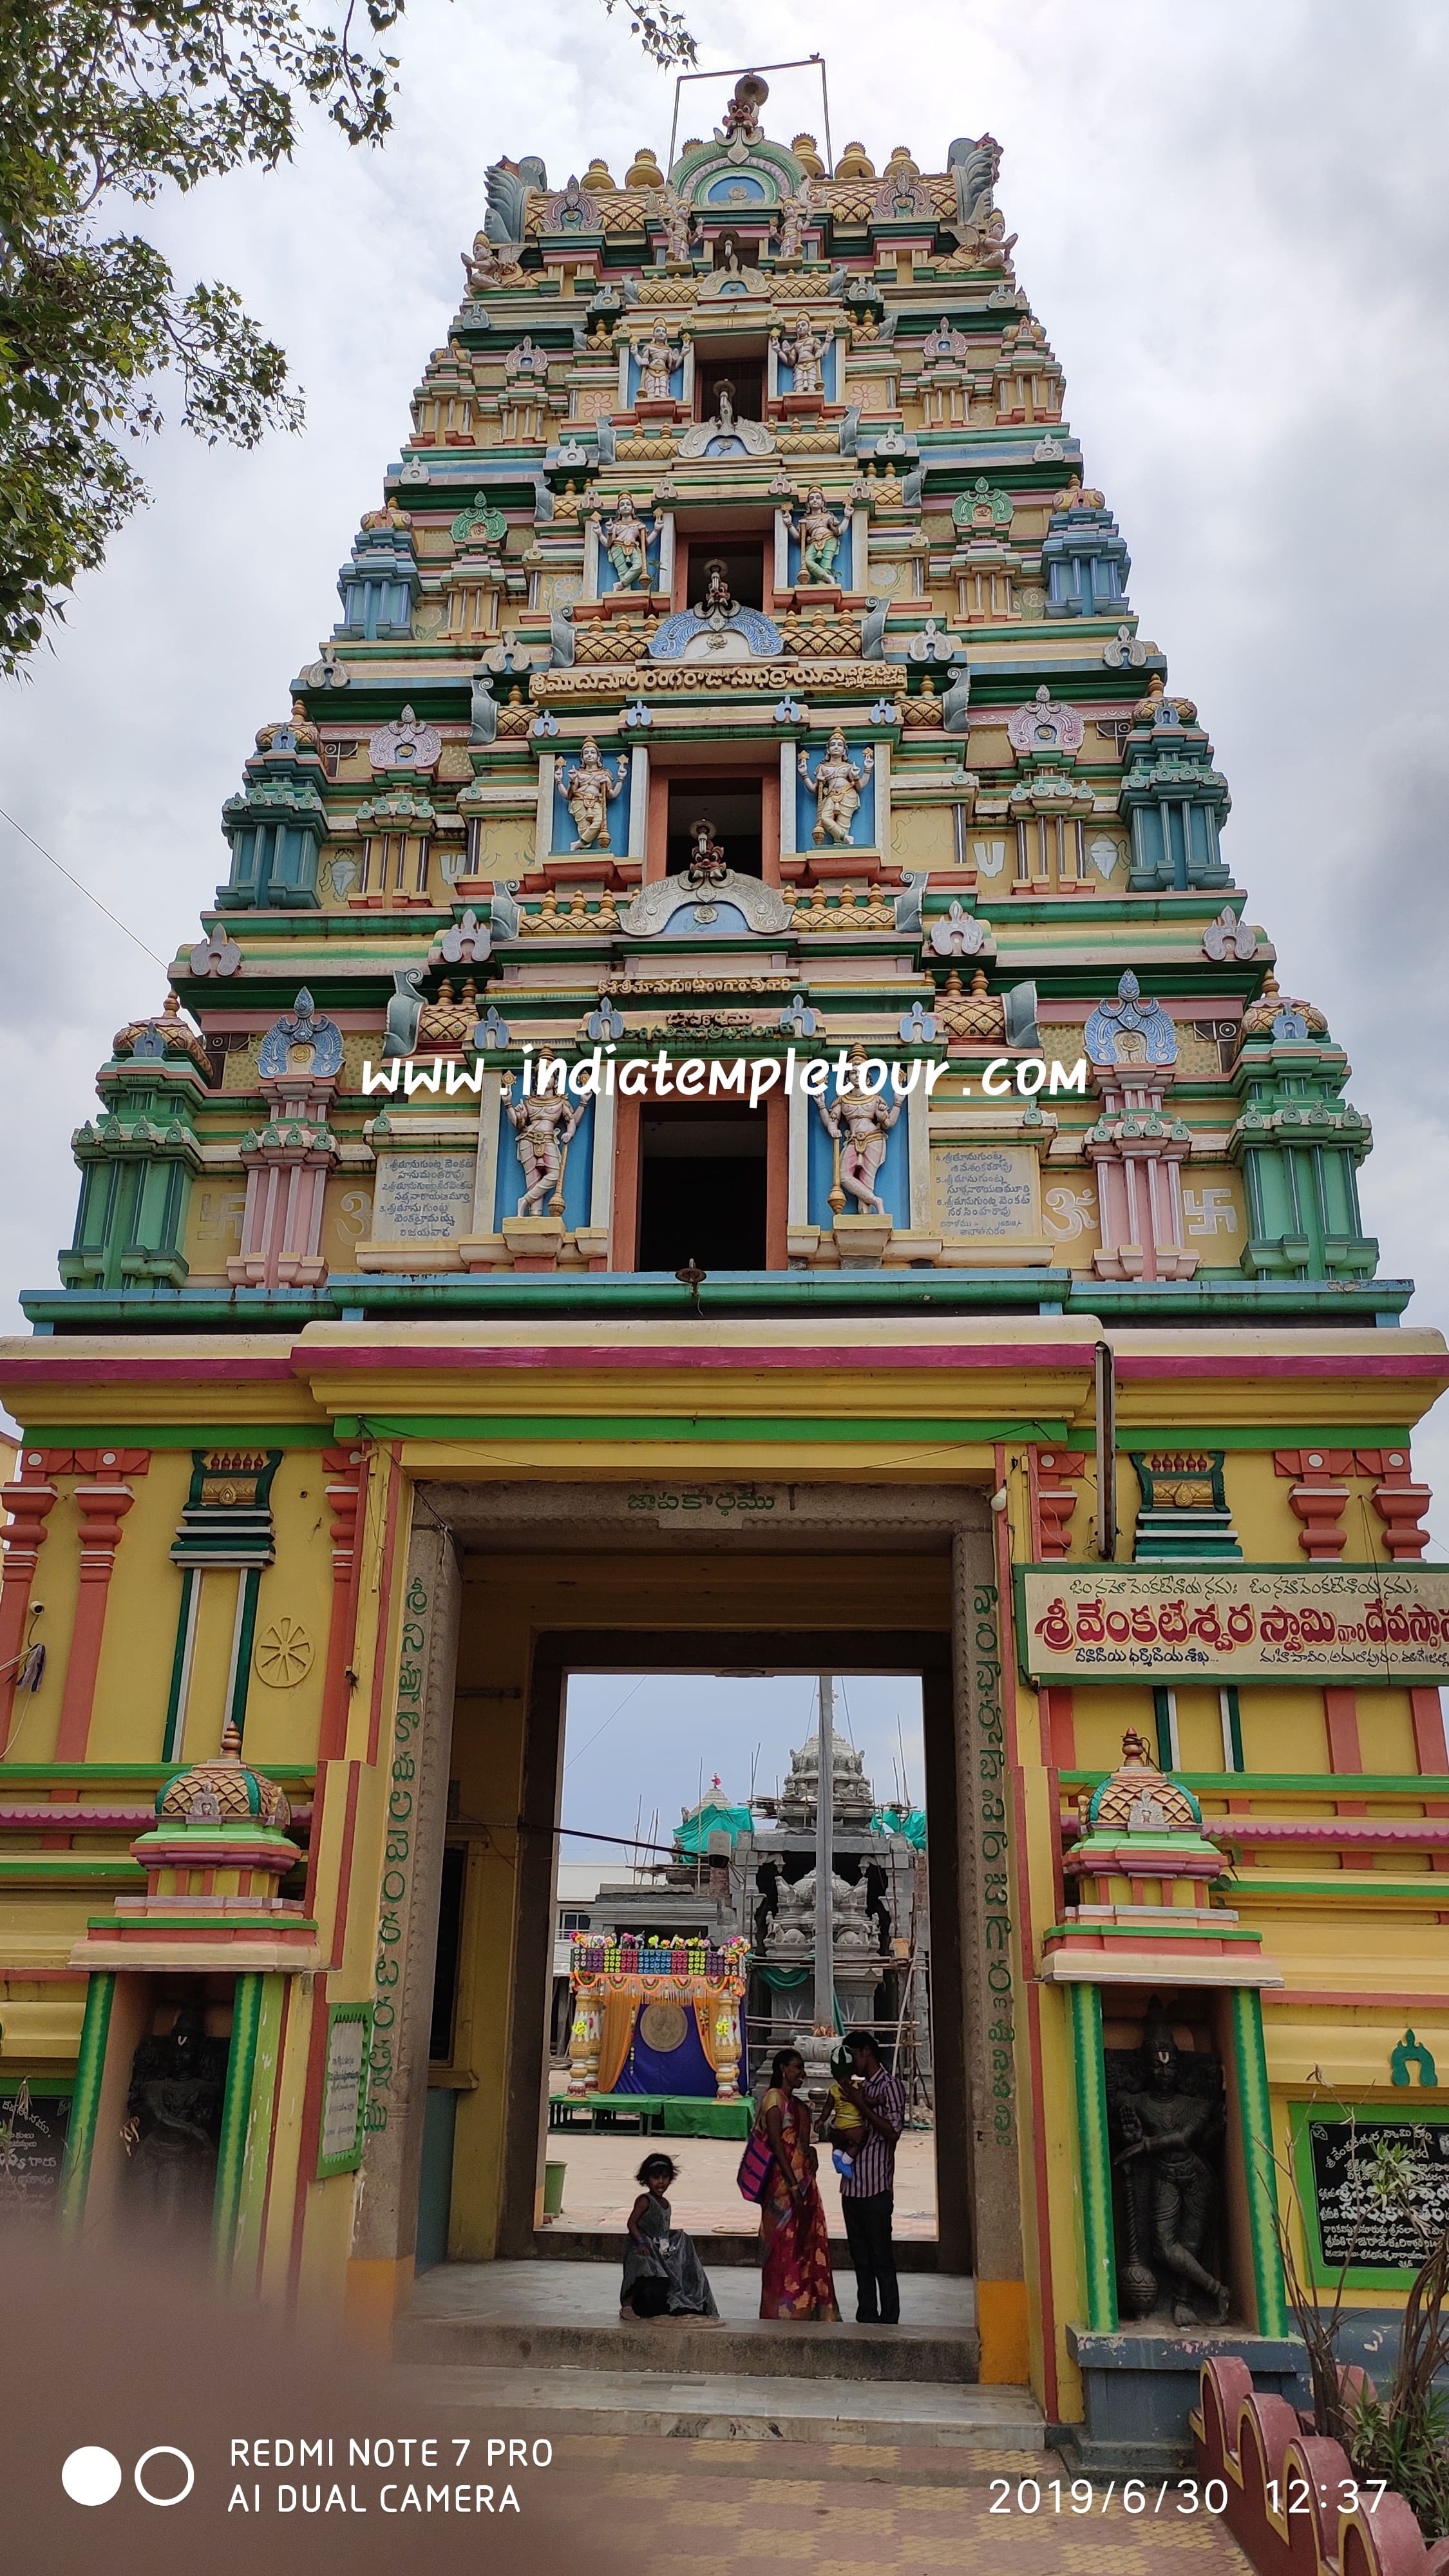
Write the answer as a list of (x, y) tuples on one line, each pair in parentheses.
[(378, 1357), (46, 1368), (15, 1819), (1371, 1833)]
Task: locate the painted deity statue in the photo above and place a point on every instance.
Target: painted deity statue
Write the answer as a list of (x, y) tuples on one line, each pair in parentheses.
[(859, 1123), (588, 793), (1166, 2125), (819, 535), (718, 600), (490, 264), (626, 543), (544, 1126), (657, 362), (836, 788), (794, 214), (804, 350), (669, 208), (706, 855)]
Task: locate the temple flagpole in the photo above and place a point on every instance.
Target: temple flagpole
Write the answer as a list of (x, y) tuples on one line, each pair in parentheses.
[(825, 1863)]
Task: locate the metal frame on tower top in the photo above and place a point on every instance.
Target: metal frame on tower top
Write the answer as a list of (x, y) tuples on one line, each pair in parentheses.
[(803, 63)]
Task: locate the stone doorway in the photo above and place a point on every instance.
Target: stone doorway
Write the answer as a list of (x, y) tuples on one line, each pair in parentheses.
[(616, 1577)]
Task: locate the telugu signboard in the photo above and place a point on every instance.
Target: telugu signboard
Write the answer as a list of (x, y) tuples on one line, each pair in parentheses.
[(1233, 1623), (1381, 2227), (33, 2130), (344, 2097)]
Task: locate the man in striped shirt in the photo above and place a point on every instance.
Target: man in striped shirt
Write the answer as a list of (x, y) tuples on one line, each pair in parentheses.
[(867, 2192)]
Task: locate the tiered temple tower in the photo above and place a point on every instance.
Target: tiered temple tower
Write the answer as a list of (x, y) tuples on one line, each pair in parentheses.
[(738, 699)]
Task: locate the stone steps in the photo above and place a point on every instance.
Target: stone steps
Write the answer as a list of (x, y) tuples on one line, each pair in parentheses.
[(734, 2348), (564, 2403), (847, 2466)]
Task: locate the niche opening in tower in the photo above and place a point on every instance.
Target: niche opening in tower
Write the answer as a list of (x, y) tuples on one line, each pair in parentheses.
[(744, 376), (735, 251), (731, 806), (702, 1186), (741, 566)]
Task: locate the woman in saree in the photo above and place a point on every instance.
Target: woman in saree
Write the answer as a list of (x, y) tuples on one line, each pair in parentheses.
[(794, 2239)]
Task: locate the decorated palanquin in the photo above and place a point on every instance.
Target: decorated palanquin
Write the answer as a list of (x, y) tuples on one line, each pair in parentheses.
[(729, 1111), (656, 2017)]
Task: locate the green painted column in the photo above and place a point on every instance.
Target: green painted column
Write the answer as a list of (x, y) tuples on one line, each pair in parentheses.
[(251, 1582), (246, 2020), (1094, 2160), (1256, 2122), (86, 2101), (252, 2193)]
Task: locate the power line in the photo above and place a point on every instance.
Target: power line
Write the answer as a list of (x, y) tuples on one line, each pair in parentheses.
[(82, 889), (609, 1720)]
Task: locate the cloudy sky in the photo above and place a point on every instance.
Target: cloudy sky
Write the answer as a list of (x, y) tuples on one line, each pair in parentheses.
[(1233, 223), (646, 1745)]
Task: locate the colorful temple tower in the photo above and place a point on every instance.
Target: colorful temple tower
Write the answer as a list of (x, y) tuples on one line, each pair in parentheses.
[(729, 1107)]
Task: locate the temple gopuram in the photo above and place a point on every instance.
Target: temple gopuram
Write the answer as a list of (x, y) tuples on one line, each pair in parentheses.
[(728, 1113)]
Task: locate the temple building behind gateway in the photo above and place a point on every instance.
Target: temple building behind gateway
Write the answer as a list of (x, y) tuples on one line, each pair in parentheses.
[(945, 1258)]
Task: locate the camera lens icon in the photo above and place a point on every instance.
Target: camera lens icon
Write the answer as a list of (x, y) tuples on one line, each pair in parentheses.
[(92, 2475)]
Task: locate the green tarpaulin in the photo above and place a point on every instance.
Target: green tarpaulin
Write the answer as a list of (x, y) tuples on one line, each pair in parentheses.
[(714, 1817), (901, 1820)]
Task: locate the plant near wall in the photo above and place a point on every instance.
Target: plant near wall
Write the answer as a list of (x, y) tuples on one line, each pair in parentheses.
[(1402, 2438), (103, 105)]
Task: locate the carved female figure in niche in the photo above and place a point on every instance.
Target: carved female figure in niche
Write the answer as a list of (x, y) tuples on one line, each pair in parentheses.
[(626, 545), (657, 362), (588, 793), (819, 535), (804, 350), (859, 1123), (544, 1126), (836, 787)]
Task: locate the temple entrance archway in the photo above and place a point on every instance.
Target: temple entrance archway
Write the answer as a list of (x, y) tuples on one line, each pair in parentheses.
[(615, 1579)]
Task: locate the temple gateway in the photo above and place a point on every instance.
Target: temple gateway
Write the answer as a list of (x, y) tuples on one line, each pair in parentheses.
[(728, 1112)]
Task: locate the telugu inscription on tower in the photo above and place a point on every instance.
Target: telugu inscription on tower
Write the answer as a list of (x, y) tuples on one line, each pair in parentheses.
[(423, 1198), (985, 1190)]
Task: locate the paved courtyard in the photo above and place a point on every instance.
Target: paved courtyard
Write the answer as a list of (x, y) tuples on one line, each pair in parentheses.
[(600, 2189), (851, 2508)]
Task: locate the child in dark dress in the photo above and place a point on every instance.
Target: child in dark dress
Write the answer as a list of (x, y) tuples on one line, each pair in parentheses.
[(663, 2275)]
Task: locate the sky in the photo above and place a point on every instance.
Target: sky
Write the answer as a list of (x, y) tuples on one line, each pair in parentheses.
[(1232, 221), (641, 1745)]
